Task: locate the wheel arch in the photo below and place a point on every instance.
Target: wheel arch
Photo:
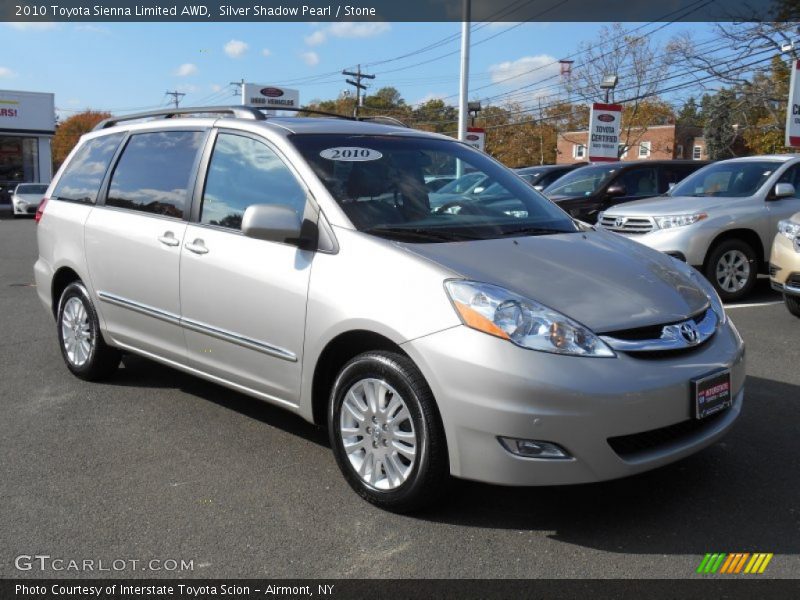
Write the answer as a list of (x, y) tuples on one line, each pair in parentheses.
[(338, 351), (749, 236), (61, 279)]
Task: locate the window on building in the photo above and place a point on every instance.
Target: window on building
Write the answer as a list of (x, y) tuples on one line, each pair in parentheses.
[(242, 172), (697, 152), (82, 177), (622, 150), (644, 149), (153, 173), (679, 151), (579, 151)]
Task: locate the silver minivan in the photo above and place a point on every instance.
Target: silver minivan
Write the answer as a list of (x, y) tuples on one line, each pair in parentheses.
[(299, 261)]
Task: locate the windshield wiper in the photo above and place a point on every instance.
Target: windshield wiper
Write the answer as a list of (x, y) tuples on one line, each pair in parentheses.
[(534, 231), (419, 233)]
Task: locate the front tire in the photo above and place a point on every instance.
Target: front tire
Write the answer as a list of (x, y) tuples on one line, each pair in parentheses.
[(732, 268), (82, 345), (793, 304), (386, 433)]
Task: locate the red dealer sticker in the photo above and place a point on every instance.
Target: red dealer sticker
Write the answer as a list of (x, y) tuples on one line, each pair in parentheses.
[(472, 137), (605, 118)]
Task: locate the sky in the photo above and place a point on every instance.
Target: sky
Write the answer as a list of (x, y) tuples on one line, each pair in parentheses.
[(124, 67)]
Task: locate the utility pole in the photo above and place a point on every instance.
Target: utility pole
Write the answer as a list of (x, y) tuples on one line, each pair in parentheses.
[(463, 108), (239, 89), (358, 76), (176, 97)]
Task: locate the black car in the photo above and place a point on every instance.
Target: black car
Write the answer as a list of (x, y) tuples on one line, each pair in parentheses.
[(543, 175), (587, 191)]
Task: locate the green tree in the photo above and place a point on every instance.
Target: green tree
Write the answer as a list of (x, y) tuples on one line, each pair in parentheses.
[(719, 131)]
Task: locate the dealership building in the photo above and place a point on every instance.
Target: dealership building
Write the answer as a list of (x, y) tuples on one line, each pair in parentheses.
[(27, 125)]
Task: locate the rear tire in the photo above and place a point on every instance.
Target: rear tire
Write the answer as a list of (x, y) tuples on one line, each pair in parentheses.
[(732, 268), (793, 304), (386, 433), (83, 348)]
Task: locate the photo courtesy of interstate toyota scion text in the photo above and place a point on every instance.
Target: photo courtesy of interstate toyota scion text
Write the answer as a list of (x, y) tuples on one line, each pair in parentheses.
[(301, 261)]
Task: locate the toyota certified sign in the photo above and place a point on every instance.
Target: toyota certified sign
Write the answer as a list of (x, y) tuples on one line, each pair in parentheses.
[(476, 137), (604, 125), (269, 96), (793, 110)]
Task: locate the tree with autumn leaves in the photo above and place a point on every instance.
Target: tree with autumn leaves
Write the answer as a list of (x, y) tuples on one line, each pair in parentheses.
[(69, 132)]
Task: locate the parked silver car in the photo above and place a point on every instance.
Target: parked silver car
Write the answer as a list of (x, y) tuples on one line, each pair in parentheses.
[(26, 197), (721, 219), (297, 260)]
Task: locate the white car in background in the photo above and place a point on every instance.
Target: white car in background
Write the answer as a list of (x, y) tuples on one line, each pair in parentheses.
[(26, 197)]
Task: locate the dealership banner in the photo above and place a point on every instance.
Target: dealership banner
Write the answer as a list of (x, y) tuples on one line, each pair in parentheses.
[(793, 110), (269, 96), (604, 127), (408, 10)]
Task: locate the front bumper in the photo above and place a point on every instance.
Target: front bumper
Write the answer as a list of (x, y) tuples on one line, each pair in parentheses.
[(24, 208), (784, 265), (487, 387)]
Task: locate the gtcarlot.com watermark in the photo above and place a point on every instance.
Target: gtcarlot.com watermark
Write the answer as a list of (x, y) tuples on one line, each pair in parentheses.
[(55, 564)]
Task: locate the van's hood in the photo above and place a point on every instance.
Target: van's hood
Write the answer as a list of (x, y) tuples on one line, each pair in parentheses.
[(598, 278), (672, 205)]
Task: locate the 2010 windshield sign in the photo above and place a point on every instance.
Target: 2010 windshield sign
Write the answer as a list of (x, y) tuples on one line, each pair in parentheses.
[(604, 126), (793, 111)]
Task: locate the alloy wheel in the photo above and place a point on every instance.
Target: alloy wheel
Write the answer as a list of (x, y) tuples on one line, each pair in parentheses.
[(733, 271), (377, 434), (76, 332)]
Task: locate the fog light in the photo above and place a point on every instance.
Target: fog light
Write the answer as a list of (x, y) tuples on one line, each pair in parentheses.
[(533, 448)]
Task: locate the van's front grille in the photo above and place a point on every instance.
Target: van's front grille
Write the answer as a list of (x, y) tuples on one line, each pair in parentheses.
[(633, 445), (635, 225)]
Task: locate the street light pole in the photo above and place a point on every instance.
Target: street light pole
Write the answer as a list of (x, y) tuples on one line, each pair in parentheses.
[(463, 109)]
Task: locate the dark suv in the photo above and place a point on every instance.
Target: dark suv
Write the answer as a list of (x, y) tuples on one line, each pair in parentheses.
[(587, 191)]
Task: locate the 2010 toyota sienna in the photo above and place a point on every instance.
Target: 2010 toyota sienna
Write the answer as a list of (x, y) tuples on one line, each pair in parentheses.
[(297, 260)]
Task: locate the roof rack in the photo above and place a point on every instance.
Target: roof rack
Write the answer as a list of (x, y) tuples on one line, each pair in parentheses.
[(386, 120), (239, 112)]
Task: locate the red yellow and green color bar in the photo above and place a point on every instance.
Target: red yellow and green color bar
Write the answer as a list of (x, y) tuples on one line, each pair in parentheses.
[(735, 563)]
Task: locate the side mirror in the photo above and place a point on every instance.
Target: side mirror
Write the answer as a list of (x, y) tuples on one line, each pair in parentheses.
[(783, 190), (273, 223), (615, 190)]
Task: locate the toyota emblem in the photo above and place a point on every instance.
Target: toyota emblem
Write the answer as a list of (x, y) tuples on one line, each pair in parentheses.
[(619, 221), (689, 332)]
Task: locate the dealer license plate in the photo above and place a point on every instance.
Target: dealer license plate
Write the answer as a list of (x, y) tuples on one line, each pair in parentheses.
[(712, 394)]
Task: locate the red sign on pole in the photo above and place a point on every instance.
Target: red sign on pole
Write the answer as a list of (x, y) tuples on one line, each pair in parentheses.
[(604, 127)]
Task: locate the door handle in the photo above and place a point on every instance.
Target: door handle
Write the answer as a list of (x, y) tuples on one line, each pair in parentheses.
[(168, 239), (198, 247)]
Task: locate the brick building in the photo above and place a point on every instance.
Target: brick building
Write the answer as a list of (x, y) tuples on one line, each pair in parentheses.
[(659, 142)]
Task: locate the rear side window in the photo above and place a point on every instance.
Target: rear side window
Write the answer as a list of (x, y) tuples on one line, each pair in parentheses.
[(82, 177), (154, 171), (244, 171)]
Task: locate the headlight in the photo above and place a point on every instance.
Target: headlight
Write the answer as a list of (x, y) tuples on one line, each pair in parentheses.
[(671, 221), (788, 228), (713, 296), (496, 311)]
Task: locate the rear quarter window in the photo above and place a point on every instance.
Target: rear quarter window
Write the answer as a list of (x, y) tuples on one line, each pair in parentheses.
[(83, 175)]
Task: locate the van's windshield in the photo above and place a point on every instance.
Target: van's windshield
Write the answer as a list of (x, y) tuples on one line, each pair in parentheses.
[(379, 181)]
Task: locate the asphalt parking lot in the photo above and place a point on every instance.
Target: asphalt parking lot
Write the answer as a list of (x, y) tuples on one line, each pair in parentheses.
[(155, 464)]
